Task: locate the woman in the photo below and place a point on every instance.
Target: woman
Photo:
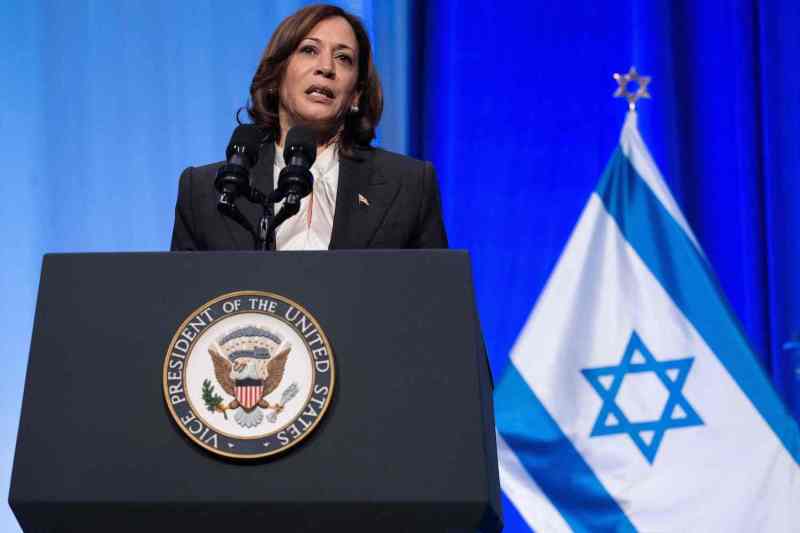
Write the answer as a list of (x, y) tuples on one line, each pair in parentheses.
[(317, 71)]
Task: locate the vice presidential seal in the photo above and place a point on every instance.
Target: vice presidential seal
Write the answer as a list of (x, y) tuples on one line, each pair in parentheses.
[(249, 374)]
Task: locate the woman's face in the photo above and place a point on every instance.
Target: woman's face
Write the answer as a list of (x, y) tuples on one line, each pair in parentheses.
[(319, 85)]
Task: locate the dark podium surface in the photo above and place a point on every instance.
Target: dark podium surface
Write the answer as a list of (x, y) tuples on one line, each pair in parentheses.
[(407, 444)]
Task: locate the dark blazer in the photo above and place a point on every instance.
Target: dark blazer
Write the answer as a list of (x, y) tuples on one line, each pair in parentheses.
[(404, 208)]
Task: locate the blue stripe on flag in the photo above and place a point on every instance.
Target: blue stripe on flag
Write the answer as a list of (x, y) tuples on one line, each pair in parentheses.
[(552, 461), (687, 277)]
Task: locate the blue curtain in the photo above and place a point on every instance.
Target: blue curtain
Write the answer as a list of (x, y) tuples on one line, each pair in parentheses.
[(103, 103), (519, 121)]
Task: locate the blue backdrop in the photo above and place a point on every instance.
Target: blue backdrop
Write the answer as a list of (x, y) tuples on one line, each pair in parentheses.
[(103, 103)]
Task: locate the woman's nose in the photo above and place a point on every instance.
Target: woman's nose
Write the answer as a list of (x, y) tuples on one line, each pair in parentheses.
[(325, 67)]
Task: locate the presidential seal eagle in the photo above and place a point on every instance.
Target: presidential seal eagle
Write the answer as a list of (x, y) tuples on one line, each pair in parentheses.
[(249, 364)]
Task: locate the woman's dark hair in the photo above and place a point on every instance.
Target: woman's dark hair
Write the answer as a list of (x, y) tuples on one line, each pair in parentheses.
[(359, 127)]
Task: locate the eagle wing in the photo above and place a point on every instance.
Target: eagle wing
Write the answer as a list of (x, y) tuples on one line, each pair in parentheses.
[(222, 371), (275, 368)]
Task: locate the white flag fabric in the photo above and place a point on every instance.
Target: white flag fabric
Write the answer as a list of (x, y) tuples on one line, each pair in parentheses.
[(633, 401)]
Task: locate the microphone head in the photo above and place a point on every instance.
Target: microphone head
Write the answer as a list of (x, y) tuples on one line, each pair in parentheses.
[(300, 147), (245, 142)]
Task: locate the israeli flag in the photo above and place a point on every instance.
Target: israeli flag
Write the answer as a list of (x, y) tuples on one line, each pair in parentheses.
[(633, 401)]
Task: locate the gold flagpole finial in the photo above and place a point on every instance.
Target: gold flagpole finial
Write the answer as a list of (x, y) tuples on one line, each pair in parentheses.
[(631, 77)]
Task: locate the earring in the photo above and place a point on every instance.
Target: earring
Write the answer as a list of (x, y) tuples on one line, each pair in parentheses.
[(354, 108)]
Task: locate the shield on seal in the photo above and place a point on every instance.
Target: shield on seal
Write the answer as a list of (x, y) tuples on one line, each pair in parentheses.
[(248, 392)]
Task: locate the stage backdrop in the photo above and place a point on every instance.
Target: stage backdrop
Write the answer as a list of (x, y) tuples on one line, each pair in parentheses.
[(102, 105)]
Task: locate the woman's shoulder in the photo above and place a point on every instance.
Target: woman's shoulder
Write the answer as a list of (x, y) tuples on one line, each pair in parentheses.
[(202, 171), (392, 162)]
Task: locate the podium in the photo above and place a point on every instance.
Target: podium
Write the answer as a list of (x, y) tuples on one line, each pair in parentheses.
[(407, 443)]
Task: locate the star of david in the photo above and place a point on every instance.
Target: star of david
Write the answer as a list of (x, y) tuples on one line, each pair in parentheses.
[(677, 412), (623, 80)]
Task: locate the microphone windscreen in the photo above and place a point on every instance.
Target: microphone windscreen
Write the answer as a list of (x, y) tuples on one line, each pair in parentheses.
[(245, 141), (300, 141)]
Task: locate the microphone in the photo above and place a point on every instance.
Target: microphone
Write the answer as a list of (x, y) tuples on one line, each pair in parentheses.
[(295, 180), (233, 178)]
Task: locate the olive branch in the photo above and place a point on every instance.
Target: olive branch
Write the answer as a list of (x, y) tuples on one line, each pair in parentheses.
[(213, 401)]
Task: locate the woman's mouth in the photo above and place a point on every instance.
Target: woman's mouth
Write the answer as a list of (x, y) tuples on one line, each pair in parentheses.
[(320, 93)]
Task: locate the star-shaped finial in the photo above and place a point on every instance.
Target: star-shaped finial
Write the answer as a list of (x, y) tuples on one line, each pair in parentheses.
[(641, 90), (675, 413)]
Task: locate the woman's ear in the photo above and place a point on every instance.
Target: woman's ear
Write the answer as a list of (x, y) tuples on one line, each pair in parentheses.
[(354, 102)]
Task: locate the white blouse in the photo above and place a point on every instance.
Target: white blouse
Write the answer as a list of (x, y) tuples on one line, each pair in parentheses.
[(312, 226)]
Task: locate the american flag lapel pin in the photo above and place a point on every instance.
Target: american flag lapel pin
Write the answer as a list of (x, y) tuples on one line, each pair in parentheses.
[(362, 200)]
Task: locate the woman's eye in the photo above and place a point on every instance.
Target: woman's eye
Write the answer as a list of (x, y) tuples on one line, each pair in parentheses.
[(308, 49), (345, 59)]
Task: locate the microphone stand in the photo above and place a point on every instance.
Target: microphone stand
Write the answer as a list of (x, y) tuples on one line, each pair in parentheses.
[(265, 239), (266, 230), (298, 183)]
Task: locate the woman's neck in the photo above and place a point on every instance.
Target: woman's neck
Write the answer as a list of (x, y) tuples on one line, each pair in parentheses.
[(320, 146), (325, 137)]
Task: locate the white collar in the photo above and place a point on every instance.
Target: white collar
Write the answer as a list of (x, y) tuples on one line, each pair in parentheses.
[(323, 164)]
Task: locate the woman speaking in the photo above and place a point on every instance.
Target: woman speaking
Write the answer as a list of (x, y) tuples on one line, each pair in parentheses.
[(317, 72)]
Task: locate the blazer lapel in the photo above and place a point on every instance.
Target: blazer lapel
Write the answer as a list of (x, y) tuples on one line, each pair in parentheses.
[(356, 221), (260, 177)]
